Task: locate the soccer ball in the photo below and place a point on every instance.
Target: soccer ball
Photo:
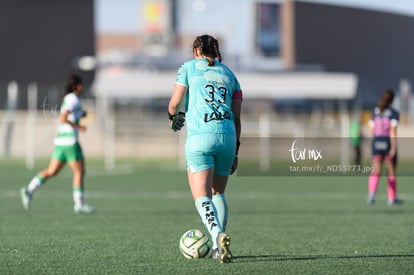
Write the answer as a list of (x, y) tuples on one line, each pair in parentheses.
[(194, 244)]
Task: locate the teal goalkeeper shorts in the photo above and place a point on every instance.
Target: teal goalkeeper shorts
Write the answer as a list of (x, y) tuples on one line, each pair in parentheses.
[(69, 153), (205, 151)]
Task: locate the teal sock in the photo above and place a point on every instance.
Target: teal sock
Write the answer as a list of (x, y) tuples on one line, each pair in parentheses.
[(220, 203), (208, 214)]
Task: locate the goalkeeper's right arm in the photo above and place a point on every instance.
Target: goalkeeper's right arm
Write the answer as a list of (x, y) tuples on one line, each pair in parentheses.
[(176, 117)]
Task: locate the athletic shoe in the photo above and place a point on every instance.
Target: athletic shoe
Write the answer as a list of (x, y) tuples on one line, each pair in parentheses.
[(371, 199), (223, 243), (395, 202), (215, 254), (26, 198), (84, 209)]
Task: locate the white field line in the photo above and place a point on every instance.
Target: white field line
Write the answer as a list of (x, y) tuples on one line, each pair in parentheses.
[(185, 195), (120, 169), (94, 171)]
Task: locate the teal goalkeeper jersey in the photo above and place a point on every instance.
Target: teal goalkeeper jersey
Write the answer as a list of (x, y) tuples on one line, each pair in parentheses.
[(66, 134), (209, 95)]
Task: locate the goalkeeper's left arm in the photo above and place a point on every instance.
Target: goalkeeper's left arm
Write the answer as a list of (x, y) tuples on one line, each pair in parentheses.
[(177, 121)]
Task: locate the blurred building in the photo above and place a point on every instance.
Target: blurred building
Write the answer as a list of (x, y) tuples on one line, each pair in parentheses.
[(42, 41), (277, 36), (375, 45)]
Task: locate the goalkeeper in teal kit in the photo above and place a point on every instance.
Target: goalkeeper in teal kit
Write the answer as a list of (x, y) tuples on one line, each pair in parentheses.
[(213, 99)]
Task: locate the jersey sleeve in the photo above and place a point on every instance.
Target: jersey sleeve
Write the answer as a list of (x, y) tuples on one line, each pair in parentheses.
[(69, 103), (395, 118), (237, 93), (182, 77)]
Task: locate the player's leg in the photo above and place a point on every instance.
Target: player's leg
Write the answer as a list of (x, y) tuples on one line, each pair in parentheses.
[(219, 199), (77, 182), (358, 154), (200, 166), (223, 162), (55, 165), (200, 185), (222, 253), (392, 182), (77, 164), (37, 181), (374, 178)]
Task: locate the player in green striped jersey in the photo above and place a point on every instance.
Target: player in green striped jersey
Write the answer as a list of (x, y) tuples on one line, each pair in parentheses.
[(66, 149)]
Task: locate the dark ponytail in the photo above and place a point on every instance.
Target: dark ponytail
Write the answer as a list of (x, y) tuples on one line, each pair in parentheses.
[(209, 48), (71, 83), (386, 99)]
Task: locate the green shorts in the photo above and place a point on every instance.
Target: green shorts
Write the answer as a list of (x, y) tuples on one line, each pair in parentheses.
[(69, 153)]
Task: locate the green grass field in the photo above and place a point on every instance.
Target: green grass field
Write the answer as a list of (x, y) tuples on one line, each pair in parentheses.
[(279, 225)]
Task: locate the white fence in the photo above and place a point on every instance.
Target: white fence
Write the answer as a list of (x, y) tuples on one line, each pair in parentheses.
[(127, 127)]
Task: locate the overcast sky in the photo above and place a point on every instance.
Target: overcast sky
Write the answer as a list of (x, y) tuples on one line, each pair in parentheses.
[(122, 16)]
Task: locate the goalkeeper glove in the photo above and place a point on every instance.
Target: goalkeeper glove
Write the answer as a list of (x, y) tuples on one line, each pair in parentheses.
[(177, 121), (236, 159)]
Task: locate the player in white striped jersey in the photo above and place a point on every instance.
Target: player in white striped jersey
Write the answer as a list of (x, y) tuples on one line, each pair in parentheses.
[(66, 149)]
